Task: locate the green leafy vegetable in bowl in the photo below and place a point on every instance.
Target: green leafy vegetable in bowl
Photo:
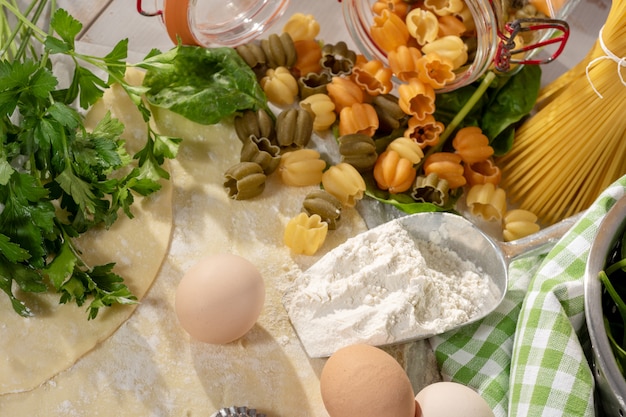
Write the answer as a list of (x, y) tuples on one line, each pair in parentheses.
[(613, 279)]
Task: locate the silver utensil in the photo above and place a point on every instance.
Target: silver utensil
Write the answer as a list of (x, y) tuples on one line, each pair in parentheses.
[(459, 235)]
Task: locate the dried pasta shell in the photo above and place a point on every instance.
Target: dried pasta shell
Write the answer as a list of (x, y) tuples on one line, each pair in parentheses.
[(447, 166), (254, 123), (358, 150), (294, 128), (309, 55), (252, 54), (482, 172), (280, 86), (279, 50), (345, 183), (486, 201), (304, 234), (444, 7), (519, 223), (407, 148), (325, 205), (322, 108), (244, 180), (313, 83), (261, 151), (398, 7), (344, 92), (472, 145), (390, 114), (373, 77), (422, 25), (301, 168), (403, 62), (466, 16), (431, 189), (338, 59), (358, 118), (416, 98), (435, 70), (393, 172), (389, 31), (450, 47), (425, 132), (451, 25), (302, 27)]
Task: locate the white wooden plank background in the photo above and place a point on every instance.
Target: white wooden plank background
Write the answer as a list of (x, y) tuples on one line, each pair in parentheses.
[(108, 21)]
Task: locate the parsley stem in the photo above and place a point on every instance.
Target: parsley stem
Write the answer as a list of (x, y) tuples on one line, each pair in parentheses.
[(25, 27), (29, 32), (621, 264)]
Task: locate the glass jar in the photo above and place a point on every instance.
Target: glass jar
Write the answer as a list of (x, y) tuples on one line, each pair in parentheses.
[(217, 22), (495, 43)]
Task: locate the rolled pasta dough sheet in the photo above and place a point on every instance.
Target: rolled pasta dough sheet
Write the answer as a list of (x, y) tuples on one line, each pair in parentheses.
[(37, 348)]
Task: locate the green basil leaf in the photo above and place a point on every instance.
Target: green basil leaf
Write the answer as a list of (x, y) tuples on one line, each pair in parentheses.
[(203, 85)]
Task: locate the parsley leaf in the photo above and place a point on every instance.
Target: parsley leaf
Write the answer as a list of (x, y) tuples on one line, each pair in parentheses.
[(66, 26), (58, 180)]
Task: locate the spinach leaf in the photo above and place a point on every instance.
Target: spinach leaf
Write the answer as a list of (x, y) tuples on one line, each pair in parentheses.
[(448, 105), (507, 100), (203, 85), (404, 202), (514, 100), (502, 143)]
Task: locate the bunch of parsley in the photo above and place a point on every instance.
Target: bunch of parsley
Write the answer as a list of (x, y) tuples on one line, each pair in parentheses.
[(58, 180)]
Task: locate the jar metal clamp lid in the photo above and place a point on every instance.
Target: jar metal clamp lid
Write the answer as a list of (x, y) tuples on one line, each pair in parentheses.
[(507, 48)]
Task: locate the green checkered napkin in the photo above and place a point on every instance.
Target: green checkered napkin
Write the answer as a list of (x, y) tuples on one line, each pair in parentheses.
[(526, 358)]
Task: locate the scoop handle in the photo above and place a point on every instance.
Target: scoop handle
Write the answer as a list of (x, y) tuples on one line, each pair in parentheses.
[(538, 242)]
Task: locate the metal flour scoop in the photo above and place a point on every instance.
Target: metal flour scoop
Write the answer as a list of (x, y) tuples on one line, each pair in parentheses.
[(450, 231)]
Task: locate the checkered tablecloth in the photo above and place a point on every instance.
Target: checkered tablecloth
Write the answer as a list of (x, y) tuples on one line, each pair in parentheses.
[(527, 358)]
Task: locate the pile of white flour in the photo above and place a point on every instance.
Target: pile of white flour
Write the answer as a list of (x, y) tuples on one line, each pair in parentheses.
[(384, 287)]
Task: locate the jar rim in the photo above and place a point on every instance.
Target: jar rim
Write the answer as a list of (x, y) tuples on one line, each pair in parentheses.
[(182, 25)]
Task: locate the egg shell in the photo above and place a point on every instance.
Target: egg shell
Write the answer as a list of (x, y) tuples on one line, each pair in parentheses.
[(220, 298), (365, 381), (445, 399)]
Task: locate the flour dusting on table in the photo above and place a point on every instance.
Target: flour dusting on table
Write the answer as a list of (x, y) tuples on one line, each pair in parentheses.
[(383, 287)]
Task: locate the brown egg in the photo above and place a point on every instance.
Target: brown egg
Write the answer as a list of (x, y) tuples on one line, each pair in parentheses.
[(365, 381), (220, 298)]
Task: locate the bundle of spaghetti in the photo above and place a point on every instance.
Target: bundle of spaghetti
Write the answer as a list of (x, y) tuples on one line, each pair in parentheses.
[(574, 146), (554, 88)]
